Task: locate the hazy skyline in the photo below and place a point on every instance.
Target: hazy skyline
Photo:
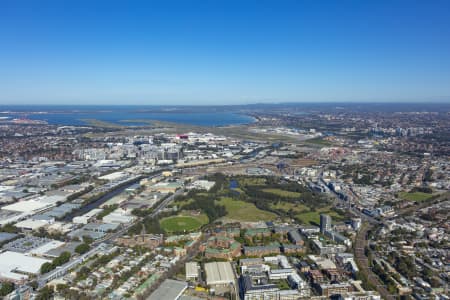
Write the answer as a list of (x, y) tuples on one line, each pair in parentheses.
[(223, 52)]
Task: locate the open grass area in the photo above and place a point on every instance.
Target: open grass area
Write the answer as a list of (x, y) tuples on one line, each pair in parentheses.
[(239, 190), (416, 196), (201, 217), (286, 206), (305, 214), (183, 223), (251, 181), (313, 217), (180, 203), (318, 141), (282, 193), (243, 211)]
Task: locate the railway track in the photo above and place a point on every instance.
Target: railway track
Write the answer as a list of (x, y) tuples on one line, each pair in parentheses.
[(363, 263)]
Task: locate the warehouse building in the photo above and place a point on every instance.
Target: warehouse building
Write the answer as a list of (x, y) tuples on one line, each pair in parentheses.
[(201, 185), (192, 271), (119, 216), (32, 206), (84, 219), (16, 266), (169, 290), (219, 274)]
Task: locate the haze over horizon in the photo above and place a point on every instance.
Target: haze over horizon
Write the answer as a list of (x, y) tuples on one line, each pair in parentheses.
[(223, 52)]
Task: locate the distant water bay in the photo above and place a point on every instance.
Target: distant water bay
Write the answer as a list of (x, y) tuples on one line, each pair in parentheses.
[(125, 115)]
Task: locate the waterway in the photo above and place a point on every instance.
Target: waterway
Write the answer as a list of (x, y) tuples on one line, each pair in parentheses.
[(95, 204), (124, 115)]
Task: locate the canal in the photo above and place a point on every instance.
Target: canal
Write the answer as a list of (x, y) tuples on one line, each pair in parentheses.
[(112, 193)]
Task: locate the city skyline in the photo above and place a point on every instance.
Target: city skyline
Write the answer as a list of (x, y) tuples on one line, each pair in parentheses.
[(206, 53)]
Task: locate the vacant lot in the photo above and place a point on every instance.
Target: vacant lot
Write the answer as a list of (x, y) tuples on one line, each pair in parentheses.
[(183, 223), (416, 196), (282, 193), (243, 211)]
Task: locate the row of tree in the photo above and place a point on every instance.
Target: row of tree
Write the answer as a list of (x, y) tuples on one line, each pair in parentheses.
[(59, 261)]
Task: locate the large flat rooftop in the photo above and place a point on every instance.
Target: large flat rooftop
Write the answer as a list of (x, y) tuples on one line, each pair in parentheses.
[(19, 262), (169, 290)]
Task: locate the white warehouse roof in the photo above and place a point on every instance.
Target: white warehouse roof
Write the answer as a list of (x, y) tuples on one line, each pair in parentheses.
[(14, 261), (30, 224), (27, 206), (34, 205), (219, 273)]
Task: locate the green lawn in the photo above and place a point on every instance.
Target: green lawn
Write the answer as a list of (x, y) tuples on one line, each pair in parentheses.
[(416, 196), (251, 181), (183, 223), (319, 141), (311, 217), (304, 213), (181, 203), (243, 211), (286, 206), (239, 190), (282, 193)]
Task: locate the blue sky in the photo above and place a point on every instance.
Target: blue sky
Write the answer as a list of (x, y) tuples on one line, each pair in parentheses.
[(223, 52)]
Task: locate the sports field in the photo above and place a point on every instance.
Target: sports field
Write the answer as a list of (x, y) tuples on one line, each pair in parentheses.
[(183, 223), (416, 196)]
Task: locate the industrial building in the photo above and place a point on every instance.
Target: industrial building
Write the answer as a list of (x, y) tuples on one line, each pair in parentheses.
[(5, 236), (219, 274), (94, 230), (119, 216), (166, 187), (192, 271), (169, 290), (202, 185), (84, 219), (16, 266), (35, 205), (33, 224)]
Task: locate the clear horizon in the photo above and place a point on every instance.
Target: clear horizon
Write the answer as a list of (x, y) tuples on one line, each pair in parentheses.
[(223, 53), (446, 103)]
